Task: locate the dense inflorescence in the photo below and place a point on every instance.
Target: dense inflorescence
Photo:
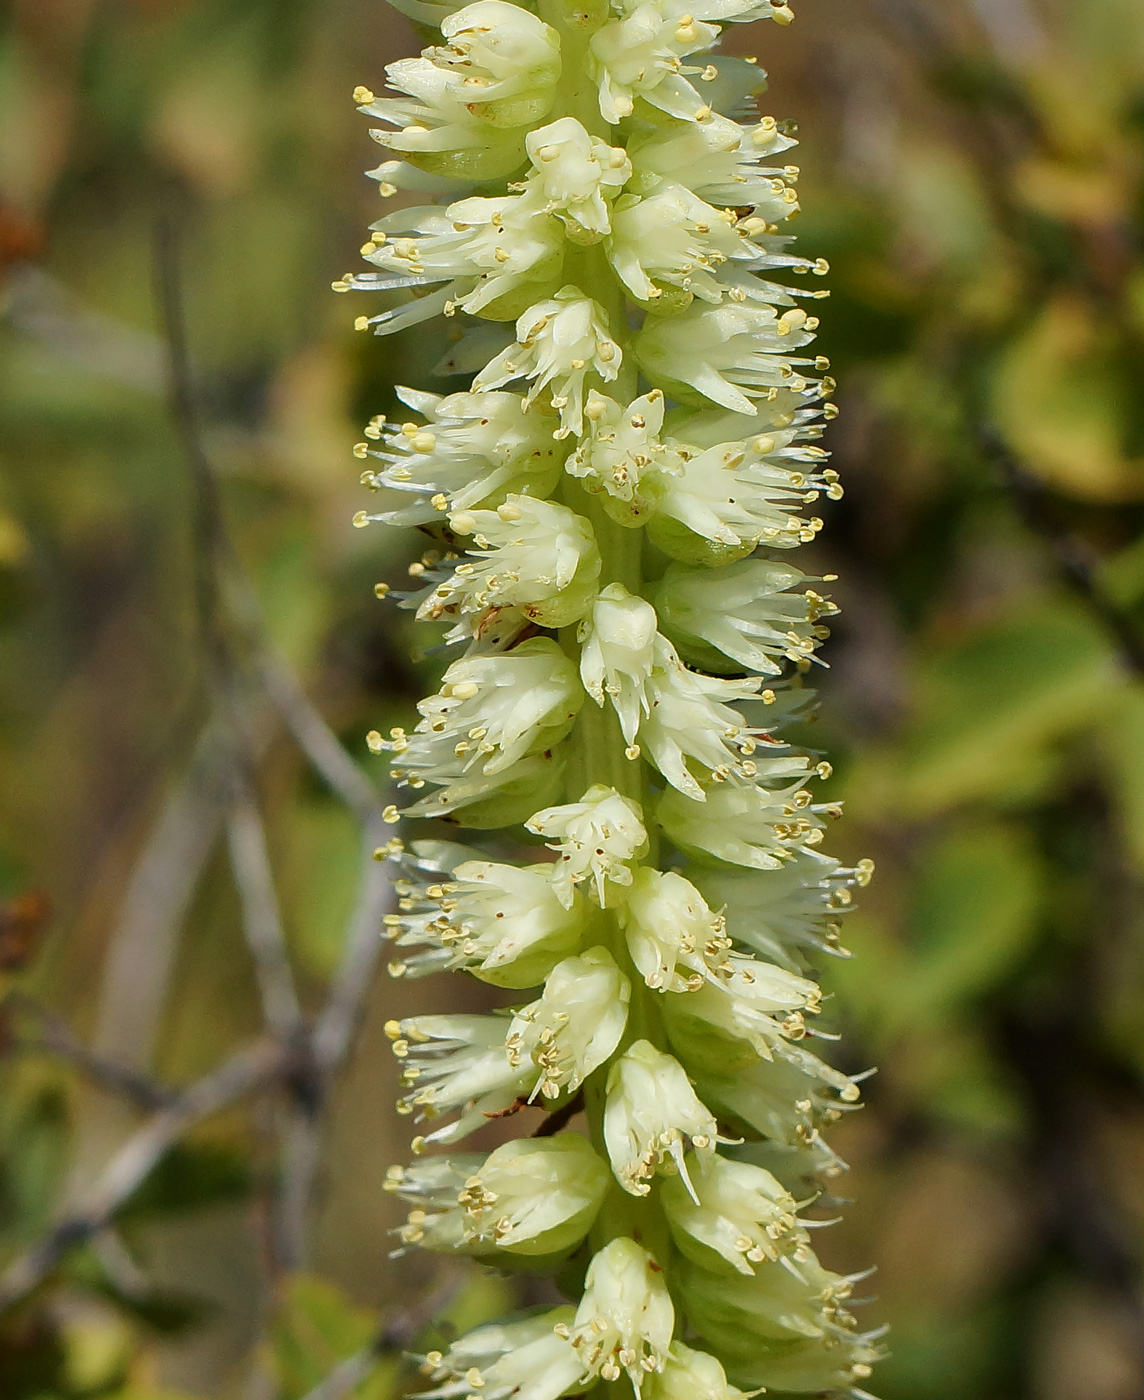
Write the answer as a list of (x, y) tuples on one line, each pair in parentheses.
[(613, 500)]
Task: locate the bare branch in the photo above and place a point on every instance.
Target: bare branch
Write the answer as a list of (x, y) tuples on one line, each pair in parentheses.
[(57, 1038), (315, 737), (261, 921), (250, 1069), (142, 947), (399, 1330)]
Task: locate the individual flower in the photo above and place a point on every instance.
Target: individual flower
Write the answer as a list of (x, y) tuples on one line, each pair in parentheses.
[(503, 923), (746, 615), (575, 176), (473, 450), (688, 719), (574, 1027), (456, 1063), (619, 447), (674, 939), (596, 840), (525, 1360), (757, 826), (787, 1100), (466, 101), (691, 1375), (786, 913), (739, 1213), (730, 354), (760, 1003), (641, 54), (625, 1318), (533, 1197), (558, 344), (618, 652), (672, 239), (498, 255), (651, 1115), (719, 161), (491, 716), (774, 1325)]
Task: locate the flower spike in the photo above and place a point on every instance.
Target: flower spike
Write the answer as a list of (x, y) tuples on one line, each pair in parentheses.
[(596, 203)]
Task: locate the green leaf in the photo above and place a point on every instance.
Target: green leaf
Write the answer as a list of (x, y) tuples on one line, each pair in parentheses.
[(317, 1328), (991, 703)]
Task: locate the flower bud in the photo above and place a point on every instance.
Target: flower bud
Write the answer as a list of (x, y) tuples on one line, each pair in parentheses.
[(625, 1318), (534, 1197), (574, 1027), (652, 1112), (596, 838), (672, 936)]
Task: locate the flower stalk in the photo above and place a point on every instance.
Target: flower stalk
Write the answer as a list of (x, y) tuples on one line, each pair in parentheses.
[(611, 502)]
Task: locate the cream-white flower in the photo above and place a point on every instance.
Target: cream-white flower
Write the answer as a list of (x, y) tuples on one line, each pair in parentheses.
[(525, 1360), (755, 826), (625, 1318), (691, 1375), (641, 55), (719, 161), (466, 101), (672, 239), (492, 715), (730, 354), (674, 939), (739, 1213), (783, 914), (745, 615), (498, 255), (456, 1062), (688, 720), (575, 1025), (619, 447), (472, 450), (533, 1197), (504, 923), (651, 1115), (559, 343), (536, 556), (618, 652), (576, 176), (596, 839)]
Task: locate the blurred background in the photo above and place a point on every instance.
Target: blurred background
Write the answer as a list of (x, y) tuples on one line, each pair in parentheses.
[(974, 172)]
